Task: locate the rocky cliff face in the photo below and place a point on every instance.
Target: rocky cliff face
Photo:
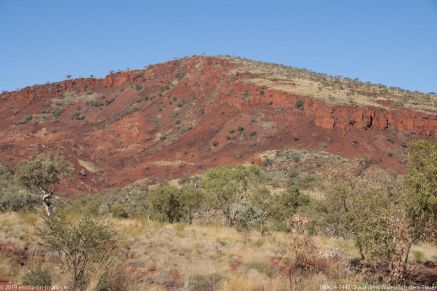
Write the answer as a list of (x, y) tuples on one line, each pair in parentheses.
[(188, 115)]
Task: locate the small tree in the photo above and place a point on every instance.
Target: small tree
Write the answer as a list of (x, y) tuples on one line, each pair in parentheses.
[(221, 189), (245, 216), (78, 245), (262, 199), (41, 176), (420, 192), (288, 203), (224, 186), (192, 201), (165, 202), (12, 195)]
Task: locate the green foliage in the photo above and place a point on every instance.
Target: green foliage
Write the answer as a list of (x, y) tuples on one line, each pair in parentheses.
[(12, 196), (206, 282), (361, 206), (77, 115), (288, 203), (78, 245), (420, 189), (245, 216), (165, 203), (118, 211), (192, 201), (299, 104), (262, 199), (223, 184), (43, 172), (25, 119), (36, 275), (138, 87), (132, 198)]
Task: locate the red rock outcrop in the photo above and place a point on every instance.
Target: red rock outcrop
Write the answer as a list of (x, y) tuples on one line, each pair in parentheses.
[(188, 115)]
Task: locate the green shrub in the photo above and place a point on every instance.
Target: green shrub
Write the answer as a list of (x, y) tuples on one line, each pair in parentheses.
[(12, 196), (206, 282), (25, 119), (299, 104), (57, 110), (77, 115), (109, 101), (288, 203), (78, 245), (118, 211), (36, 275), (138, 87), (165, 204), (245, 216)]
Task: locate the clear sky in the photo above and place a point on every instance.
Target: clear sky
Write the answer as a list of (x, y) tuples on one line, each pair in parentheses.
[(389, 41)]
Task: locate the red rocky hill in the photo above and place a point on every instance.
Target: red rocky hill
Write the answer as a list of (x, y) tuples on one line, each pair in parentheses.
[(195, 113)]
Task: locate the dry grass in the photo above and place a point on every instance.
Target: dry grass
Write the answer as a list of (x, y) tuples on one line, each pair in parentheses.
[(88, 166), (336, 90), (190, 256), (6, 265)]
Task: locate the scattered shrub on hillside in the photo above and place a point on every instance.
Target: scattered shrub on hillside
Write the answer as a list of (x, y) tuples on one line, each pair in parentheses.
[(138, 87), (24, 120), (77, 115), (299, 104), (57, 110), (109, 101)]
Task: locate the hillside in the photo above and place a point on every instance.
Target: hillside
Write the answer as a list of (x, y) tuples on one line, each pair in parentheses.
[(187, 115)]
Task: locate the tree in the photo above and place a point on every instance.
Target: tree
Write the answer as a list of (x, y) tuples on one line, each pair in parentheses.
[(192, 200), (420, 191), (164, 202), (91, 240), (364, 207), (245, 216), (225, 185), (288, 203), (262, 199), (41, 176), (12, 195)]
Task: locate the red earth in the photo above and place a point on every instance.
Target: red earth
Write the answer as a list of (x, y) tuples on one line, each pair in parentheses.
[(184, 116)]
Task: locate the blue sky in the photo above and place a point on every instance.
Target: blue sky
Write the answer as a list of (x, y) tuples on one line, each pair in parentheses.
[(389, 41)]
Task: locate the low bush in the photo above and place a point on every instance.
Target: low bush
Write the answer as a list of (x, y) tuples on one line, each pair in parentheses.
[(37, 275)]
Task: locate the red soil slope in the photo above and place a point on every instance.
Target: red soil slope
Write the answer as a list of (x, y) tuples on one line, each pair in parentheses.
[(185, 116)]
